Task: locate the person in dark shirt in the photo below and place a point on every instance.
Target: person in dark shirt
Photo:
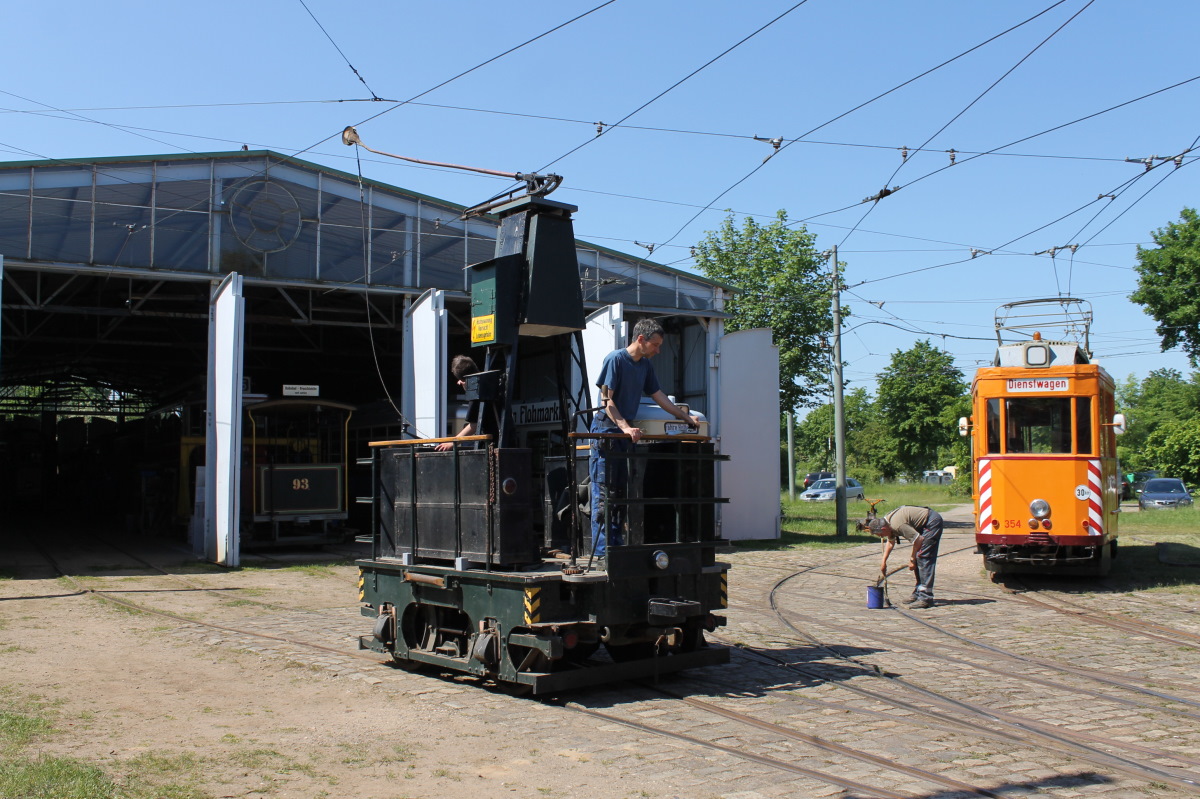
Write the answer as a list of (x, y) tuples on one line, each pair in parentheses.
[(921, 526), (460, 367)]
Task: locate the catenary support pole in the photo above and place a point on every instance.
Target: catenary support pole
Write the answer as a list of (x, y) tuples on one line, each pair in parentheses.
[(791, 458), (839, 417)]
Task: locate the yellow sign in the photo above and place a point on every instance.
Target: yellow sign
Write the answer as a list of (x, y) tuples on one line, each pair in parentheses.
[(483, 329)]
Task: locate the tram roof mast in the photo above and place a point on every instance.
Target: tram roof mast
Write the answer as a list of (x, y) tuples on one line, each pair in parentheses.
[(1023, 321)]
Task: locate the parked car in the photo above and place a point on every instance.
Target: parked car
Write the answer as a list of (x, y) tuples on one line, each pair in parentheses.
[(1164, 492), (1139, 480), (813, 477), (826, 491)]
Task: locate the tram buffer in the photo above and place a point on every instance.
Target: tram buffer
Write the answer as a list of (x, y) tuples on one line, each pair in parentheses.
[(459, 577)]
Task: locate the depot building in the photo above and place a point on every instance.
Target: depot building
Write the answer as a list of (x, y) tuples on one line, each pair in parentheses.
[(182, 335)]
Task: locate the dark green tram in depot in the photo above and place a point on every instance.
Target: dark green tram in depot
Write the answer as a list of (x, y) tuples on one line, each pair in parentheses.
[(481, 557)]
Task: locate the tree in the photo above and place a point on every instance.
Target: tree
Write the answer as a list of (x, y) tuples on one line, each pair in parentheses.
[(814, 438), (1163, 397), (781, 284), (918, 397), (1169, 283), (870, 446), (1175, 449)]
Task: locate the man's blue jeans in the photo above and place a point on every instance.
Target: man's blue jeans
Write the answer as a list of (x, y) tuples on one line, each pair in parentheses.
[(608, 477), (926, 556)]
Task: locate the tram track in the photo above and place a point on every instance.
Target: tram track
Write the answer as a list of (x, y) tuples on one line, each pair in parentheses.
[(1140, 627), (1122, 624), (943, 719), (1073, 743), (81, 590), (218, 593), (765, 760), (815, 742), (999, 725), (972, 645)]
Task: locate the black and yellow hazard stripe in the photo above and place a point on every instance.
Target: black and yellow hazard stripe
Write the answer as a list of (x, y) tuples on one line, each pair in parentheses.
[(724, 589), (362, 592), (533, 605)]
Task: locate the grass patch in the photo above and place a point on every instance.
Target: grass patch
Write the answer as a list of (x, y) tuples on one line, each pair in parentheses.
[(789, 541), (156, 775), (1185, 521), (19, 729), (322, 569), (23, 721), (256, 759), (200, 567), (1158, 550), (58, 777), (813, 525)]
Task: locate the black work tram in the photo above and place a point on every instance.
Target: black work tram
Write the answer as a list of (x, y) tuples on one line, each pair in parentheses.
[(481, 557)]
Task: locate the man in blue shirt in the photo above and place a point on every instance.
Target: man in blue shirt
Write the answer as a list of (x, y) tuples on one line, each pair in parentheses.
[(625, 377)]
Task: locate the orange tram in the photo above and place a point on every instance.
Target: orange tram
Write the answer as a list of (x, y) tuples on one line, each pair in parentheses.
[(1043, 436)]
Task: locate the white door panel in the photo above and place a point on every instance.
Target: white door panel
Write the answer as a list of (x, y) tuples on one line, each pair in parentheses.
[(748, 426), (426, 365), (603, 332), (223, 435)]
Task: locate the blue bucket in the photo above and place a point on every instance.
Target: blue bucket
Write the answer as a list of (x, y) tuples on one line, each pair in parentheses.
[(874, 596)]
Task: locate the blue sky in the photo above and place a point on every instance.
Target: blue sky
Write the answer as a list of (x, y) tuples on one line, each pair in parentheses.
[(179, 77)]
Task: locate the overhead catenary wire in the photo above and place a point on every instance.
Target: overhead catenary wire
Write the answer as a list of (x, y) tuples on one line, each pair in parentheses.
[(523, 115), (94, 121), (968, 107), (790, 142), (1115, 208), (908, 272), (1126, 210), (993, 151), (603, 128), (361, 79), (462, 74)]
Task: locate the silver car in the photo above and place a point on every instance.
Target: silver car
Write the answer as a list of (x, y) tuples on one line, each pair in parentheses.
[(1164, 492), (826, 491)]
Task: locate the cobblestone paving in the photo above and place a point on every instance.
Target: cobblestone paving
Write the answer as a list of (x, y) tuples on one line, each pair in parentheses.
[(825, 681)]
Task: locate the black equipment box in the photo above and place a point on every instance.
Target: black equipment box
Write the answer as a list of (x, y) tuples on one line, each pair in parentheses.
[(437, 506)]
